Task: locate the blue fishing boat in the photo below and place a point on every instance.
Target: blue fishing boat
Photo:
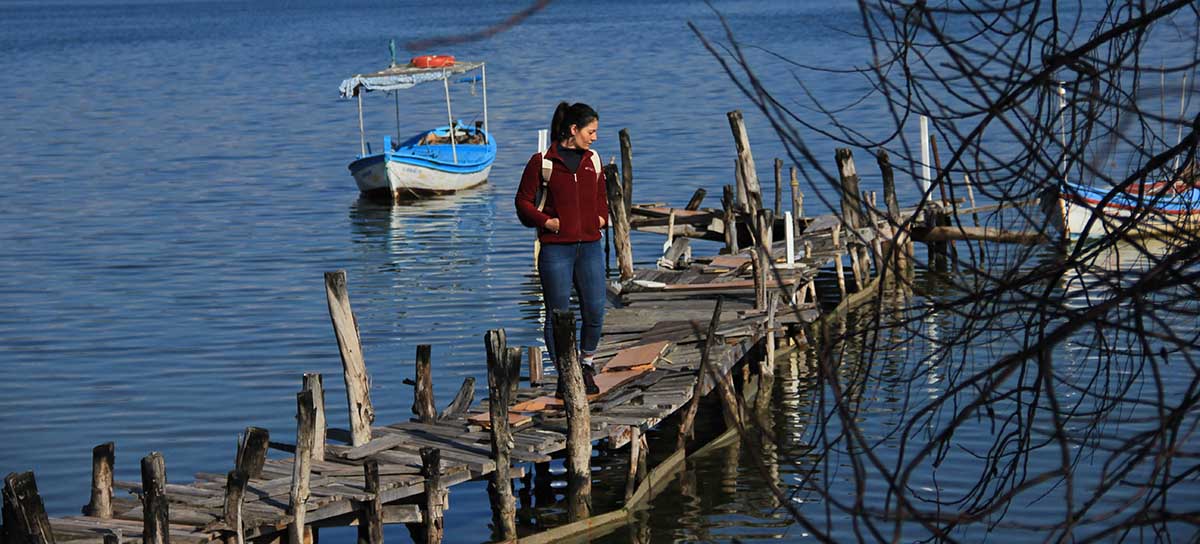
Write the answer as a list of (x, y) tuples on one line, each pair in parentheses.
[(439, 160), (1163, 210)]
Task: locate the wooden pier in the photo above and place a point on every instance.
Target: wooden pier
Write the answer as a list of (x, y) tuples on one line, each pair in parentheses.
[(688, 329)]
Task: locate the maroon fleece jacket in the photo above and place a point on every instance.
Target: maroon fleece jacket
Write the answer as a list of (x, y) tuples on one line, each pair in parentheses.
[(578, 200)]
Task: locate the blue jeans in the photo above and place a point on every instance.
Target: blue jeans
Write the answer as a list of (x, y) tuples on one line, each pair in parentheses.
[(580, 264)]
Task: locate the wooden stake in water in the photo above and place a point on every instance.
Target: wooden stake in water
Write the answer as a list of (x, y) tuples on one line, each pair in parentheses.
[(579, 431), (790, 237), (354, 369)]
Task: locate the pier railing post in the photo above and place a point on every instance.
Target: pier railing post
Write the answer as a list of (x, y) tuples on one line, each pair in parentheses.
[(423, 406), (252, 451), (745, 160), (435, 496), (501, 372), (730, 219), (24, 514), (231, 509), (619, 211), (301, 466), (626, 168), (100, 505), (579, 431), (313, 382), (155, 512), (370, 524), (354, 368)]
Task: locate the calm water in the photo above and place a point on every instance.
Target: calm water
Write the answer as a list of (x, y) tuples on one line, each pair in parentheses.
[(175, 185)]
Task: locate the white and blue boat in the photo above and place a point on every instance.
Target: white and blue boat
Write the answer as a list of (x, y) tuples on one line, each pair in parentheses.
[(440, 160), (1165, 210)]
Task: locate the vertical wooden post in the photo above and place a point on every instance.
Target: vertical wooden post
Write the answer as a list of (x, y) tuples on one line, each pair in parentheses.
[(301, 466), (797, 200), (435, 496), (766, 376), (155, 512), (354, 369), (687, 420), (697, 198), (745, 160), (579, 419), (943, 218), (739, 184), (462, 400), (500, 374), (837, 260), (764, 221), (513, 357), (370, 525), (423, 405), (635, 447), (626, 168), (252, 451), (852, 211), (758, 273), (620, 219), (313, 382), (100, 505), (778, 187), (25, 519), (730, 219), (898, 256), (535, 365), (231, 510), (889, 184)]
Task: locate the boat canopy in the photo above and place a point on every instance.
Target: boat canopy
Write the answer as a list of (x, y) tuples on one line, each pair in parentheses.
[(403, 77)]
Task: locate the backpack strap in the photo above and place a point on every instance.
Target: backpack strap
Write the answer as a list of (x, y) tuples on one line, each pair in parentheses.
[(547, 167)]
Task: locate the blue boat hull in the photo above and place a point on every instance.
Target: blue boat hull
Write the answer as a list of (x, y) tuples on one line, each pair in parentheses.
[(427, 164)]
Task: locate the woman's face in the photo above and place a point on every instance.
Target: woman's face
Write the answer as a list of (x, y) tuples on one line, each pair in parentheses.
[(582, 138)]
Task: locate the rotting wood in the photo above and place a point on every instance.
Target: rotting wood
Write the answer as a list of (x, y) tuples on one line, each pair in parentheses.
[(155, 511), (579, 441), (435, 495), (619, 212), (252, 451), (730, 216), (697, 198), (25, 519), (299, 492), (626, 167), (423, 406), (778, 187), (499, 397), (535, 365), (100, 505), (462, 400), (745, 160), (689, 416), (354, 369), (231, 508), (990, 234), (315, 383), (370, 529)]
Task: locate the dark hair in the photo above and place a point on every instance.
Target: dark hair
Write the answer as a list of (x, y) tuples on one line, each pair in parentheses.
[(565, 115)]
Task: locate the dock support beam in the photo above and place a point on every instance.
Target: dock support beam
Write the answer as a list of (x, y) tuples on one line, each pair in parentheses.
[(626, 168), (503, 373), (252, 452), (313, 382), (100, 505), (354, 369), (423, 406), (155, 512), (745, 161), (619, 211), (231, 510), (435, 496), (301, 467), (24, 514), (370, 526), (579, 431)]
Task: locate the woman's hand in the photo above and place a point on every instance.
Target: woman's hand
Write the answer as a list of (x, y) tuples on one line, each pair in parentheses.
[(603, 220), (552, 225)]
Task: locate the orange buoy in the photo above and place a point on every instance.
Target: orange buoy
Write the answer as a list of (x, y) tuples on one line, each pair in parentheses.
[(433, 61)]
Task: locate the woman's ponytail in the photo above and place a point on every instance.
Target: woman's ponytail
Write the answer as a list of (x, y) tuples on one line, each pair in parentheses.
[(567, 115), (556, 122)]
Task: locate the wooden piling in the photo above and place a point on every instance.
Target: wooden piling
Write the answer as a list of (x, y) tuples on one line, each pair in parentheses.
[(155, 512), (745, 161), (502, 373), (462, 400), (619, 210), (766, 373), (797, 200), (315, 383), (423, 406), (852, 212), (899, 255), (370, 526), (764, 222), (837, 260), (778, 187), (354, 368), (25, 519), (231, 509), (100, 505), (252, 451), (535, 365), (626, 168), (697, 198), (688, 419), (435, 496), (579, 441), (730, 219), (636, 455), (301, 466)]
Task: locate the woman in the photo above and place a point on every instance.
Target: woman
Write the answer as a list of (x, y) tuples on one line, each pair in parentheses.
[(569, 215)]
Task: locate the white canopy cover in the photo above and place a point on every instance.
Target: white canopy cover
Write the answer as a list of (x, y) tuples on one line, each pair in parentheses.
[(402, 77)]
